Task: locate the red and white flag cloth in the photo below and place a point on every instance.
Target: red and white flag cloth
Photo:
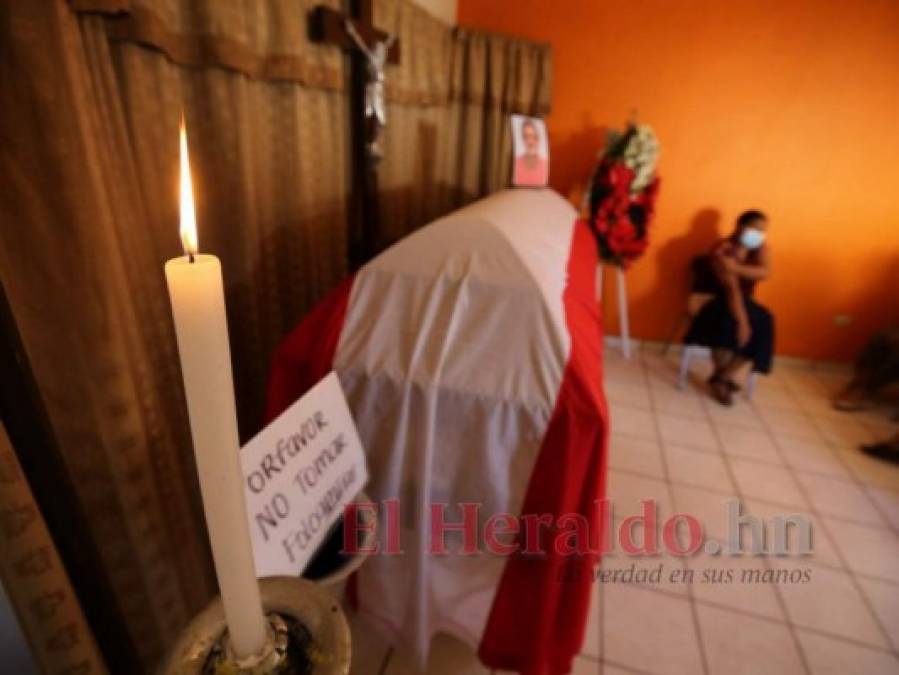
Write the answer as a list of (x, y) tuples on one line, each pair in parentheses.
[(471, 356)]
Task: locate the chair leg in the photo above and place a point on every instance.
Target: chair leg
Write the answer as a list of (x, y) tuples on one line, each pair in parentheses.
[(678, 327), (686, 355), (750, 384)]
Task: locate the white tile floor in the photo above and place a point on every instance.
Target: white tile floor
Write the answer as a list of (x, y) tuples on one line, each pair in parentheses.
[(787, 452)]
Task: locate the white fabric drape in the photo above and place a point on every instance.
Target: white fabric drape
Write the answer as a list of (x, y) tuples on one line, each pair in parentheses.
[(452, 355)]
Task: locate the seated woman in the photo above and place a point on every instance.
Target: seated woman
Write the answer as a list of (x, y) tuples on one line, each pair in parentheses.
[(733, 325)]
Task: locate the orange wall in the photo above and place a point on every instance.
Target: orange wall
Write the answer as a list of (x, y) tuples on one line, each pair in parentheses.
[(791, 107)]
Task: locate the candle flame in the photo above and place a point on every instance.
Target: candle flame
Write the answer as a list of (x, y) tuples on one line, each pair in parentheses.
[(188, 214)]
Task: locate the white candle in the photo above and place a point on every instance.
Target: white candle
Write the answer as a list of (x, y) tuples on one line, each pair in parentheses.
[(198, 305)]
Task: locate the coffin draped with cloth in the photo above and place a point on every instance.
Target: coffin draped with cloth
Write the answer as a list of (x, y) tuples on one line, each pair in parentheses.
[(470, 354)]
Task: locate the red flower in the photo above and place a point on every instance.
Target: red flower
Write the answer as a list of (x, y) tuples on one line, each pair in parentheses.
[(621, 236), (616, 177), (621, 177), (620, 240)]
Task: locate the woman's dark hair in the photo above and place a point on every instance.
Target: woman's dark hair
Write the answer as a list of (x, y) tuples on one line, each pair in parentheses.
[(748, 217)]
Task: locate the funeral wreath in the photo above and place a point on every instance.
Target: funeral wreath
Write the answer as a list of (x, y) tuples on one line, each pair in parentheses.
[(622, 194)]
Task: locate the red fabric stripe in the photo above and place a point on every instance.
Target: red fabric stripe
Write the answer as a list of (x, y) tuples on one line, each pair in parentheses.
[(307, 355), (539, 613), (540, 610)]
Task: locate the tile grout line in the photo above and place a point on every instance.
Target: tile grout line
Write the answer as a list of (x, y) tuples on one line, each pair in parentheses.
[(800, 411), (822, 523), (825, 444), (769, 502), (600, 594), (630, 669), (617, 520), (821, 518), (602, 623), (767, 563), (852, 479), (785, 622), (661, 448), (838, 451)]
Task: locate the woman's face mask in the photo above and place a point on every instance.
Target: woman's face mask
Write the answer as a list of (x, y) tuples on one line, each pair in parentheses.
[(752, 238)]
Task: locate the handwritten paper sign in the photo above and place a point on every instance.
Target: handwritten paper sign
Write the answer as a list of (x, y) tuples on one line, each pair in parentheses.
[(300, 471)]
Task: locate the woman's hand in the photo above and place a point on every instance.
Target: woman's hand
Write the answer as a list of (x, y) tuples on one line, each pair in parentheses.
[(725, 264), (744, 332), (730, 265)]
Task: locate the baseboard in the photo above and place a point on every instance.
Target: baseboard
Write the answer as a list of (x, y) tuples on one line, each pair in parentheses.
[(675, 348)]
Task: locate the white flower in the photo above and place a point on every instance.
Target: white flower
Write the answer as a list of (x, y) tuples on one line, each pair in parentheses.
[(640, 155)]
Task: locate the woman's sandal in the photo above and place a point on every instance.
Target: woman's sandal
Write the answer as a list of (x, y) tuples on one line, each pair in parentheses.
[(722, 393), (733, 386)]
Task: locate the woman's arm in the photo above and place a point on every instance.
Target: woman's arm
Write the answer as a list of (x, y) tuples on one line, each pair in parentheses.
[(738, 310), (756, 272), (721, 263)]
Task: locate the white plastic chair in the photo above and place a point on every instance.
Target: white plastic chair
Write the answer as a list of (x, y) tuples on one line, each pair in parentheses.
[(700, 294)]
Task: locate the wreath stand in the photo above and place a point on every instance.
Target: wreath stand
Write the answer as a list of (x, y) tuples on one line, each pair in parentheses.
[(623, 323)]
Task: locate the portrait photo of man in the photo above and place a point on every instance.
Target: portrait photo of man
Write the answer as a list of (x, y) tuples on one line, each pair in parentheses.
[(531, 149)]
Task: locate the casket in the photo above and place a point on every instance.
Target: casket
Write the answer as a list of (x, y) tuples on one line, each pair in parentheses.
[(470, 354)]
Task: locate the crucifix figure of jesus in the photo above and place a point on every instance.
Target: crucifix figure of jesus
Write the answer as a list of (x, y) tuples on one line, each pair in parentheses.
[(375, 105), (370, 51)]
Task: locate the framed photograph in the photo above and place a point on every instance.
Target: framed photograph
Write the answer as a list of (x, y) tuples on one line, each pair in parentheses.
[(530, 145)]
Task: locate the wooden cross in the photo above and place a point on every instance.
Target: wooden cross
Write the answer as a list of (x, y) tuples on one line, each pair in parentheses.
[(329, 26)]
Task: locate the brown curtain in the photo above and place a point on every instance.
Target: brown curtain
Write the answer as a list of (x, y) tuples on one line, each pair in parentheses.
[(90, 96), (89, 216), (448, 140), (52, 620)]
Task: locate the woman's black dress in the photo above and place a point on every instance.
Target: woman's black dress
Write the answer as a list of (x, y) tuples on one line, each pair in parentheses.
[(715, 327)]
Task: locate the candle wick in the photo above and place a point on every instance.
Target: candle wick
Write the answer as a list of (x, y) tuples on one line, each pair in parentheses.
[(190, 257)]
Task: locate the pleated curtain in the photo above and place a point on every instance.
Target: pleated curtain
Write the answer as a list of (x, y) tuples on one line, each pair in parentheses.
[(91, 92)]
